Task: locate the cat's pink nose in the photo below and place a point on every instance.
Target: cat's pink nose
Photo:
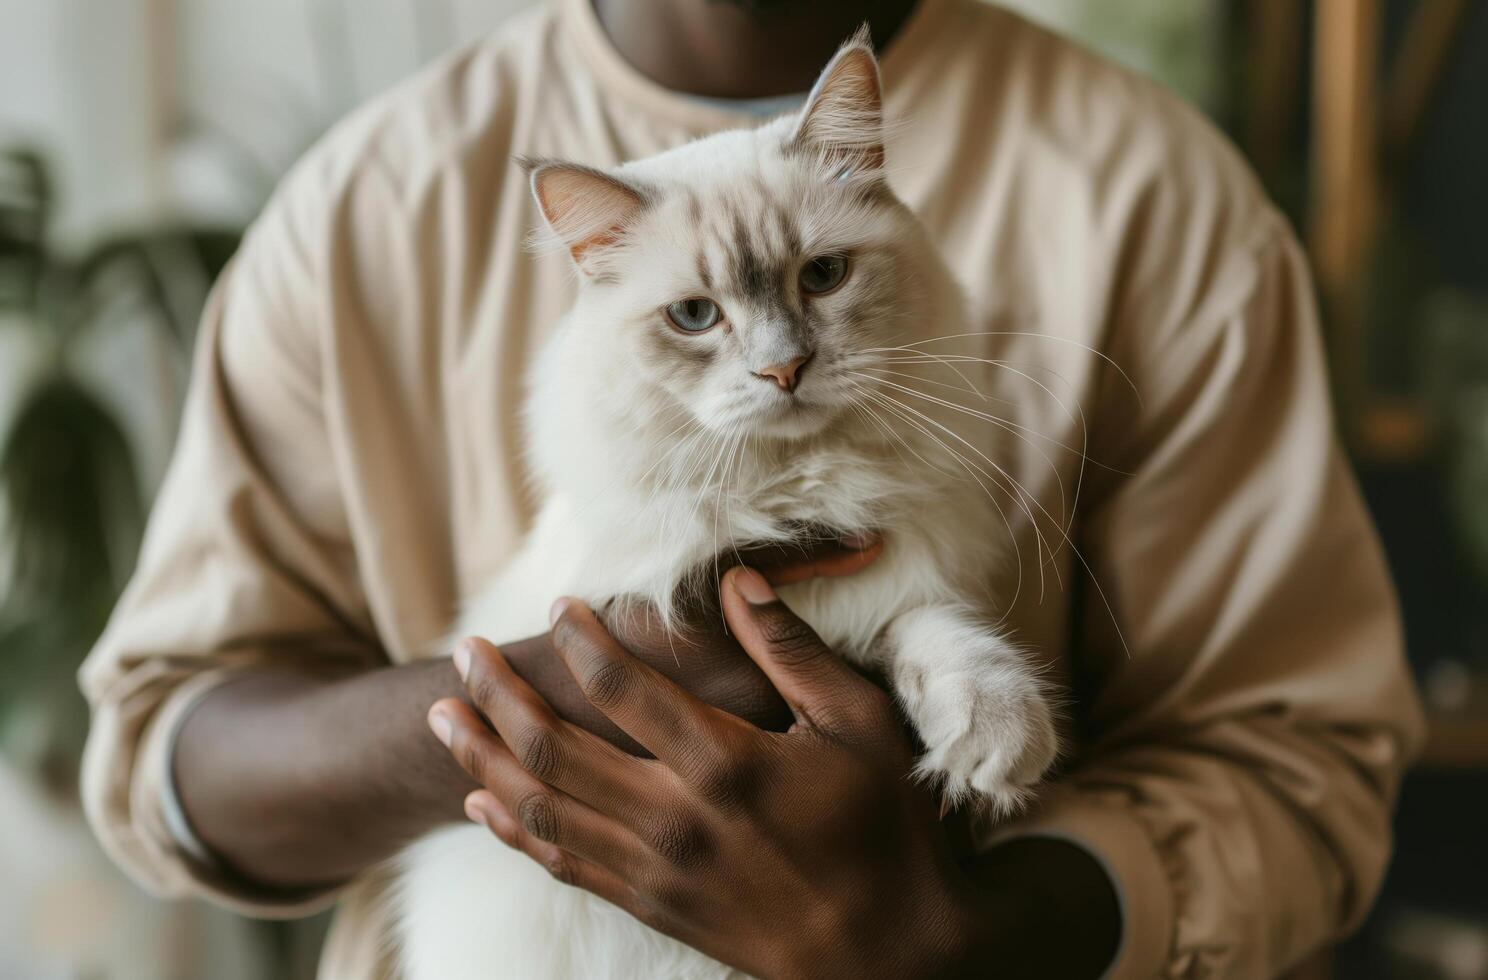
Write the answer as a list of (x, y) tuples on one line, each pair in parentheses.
[(787, 375)]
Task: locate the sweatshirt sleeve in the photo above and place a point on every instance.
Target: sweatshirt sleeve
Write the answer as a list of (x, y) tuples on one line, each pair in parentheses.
[(1245, 734), (246, 559)]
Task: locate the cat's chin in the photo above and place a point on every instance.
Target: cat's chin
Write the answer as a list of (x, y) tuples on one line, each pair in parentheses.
[(792, 421)]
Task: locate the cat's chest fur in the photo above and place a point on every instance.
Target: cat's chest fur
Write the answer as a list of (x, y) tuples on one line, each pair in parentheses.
[(597, 539)]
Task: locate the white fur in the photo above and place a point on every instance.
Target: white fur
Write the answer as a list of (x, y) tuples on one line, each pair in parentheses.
[(650, 465)]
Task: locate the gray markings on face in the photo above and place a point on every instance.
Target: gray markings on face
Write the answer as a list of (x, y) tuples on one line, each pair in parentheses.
[(751, 273), (763, 252), (790, 240), (748, 249), (704, 271)]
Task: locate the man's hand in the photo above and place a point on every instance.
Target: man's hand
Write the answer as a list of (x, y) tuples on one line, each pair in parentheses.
[(805, 852), (295, 779), (699, 656), (798, 853)]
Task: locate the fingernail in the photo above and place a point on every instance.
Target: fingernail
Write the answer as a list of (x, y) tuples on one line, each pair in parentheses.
[(483, 808), (473, 812), (860, 541), (462, 659), (753, 587), (440, 725), (555, 612)]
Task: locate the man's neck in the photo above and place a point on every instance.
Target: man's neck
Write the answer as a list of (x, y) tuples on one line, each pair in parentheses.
[(732, 50)]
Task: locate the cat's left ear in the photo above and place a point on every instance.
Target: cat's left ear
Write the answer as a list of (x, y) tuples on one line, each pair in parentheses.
[(843, 118), (586, 208)]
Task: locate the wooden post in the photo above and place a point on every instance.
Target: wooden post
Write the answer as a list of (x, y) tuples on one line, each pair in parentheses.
[(1272, 76), (1345, 178)]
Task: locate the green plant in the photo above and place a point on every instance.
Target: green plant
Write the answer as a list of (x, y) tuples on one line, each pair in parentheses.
[(71, 497)]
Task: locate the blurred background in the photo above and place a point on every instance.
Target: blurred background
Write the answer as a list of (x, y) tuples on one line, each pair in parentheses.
[(138, 138)]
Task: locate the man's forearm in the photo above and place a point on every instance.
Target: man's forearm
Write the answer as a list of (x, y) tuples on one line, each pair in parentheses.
[(297, 781), (294, 780)]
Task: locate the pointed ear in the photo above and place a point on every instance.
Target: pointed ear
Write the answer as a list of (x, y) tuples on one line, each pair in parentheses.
[(843, 118), (586, 208)]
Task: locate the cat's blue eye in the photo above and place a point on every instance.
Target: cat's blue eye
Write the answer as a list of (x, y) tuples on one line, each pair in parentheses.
[(693, 315), (823, 274)]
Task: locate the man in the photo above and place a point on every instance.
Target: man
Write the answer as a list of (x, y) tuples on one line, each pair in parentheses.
[(349, 468)]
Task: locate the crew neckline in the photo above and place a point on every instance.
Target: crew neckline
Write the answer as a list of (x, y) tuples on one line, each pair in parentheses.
[(613, 72)]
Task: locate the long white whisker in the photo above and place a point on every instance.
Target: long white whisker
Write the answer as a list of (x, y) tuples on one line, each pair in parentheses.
[(972, 470), (696, 455), (999, 422), (967, 387), (734, 444), (996, 419), (866, 392), (1062, 533), (939, 359), (1071, 415), (1023, 497), (1036, 336), (715, 450)]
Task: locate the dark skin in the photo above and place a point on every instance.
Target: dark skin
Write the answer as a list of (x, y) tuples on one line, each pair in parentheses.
[(741, 50), (802, 853), (299, 781)]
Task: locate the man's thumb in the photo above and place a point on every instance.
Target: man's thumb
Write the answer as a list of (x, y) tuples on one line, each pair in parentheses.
[(820, 687)]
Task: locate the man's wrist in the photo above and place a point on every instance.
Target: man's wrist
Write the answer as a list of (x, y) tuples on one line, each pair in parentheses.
[(295, 780), (1041, 906)]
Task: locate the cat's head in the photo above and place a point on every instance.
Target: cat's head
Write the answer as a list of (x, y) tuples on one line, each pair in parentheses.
[(749, 277)]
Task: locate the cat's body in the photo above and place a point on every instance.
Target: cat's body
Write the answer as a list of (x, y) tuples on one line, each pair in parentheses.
[(658, 449)]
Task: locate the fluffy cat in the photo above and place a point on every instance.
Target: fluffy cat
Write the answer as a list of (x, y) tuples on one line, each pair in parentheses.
[(717, 381)]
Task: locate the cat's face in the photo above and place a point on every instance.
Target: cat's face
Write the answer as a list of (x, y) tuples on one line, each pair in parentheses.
[(751, 276)]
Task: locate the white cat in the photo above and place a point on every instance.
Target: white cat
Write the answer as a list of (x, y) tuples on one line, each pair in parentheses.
[(720, 379)]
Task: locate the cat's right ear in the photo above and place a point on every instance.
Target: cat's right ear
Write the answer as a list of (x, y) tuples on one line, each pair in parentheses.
[(843, 119), (586, 208)]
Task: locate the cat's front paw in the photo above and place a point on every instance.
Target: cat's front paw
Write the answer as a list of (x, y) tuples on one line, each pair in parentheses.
[(989, 737)]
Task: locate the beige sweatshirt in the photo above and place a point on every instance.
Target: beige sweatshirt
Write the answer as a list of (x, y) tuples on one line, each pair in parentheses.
[(348, 466)]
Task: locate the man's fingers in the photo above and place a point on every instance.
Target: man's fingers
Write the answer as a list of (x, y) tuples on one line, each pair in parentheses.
[(820, 687), (541, 812), (820, 555), (833, 563), (550, 749), (565, 866), (683, 732)]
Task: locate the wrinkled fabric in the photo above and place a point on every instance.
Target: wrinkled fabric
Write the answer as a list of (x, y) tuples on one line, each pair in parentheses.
[(1239, 711)]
